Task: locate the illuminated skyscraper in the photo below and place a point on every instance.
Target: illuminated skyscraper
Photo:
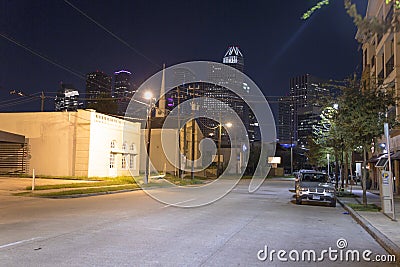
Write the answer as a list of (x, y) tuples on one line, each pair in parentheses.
[(66, 98), (123, 90), (234, 58), (98, 92), (222, 79), (300, 112)]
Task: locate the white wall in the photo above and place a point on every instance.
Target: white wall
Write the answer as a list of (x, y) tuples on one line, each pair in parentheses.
[(74, 143), (105, 129)]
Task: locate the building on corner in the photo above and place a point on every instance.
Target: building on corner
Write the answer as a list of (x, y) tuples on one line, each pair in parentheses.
[(83, 143)]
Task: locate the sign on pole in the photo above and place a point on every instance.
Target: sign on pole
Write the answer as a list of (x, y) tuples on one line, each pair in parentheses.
[(387, 193)]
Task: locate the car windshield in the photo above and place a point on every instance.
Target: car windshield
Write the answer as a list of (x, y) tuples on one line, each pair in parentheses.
[(315, 177)]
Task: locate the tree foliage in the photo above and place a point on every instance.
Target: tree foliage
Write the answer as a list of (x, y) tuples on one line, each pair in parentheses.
[(367, 26), (357, 120)]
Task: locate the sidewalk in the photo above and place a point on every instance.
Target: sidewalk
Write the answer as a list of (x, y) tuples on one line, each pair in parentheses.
[(381, 226), (10, 185)]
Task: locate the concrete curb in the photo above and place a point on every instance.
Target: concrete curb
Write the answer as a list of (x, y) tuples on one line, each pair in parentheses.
[(92, 194), (382, 239)]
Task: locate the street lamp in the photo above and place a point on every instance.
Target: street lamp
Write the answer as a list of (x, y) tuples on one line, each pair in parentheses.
[(228, 124), (149, 96), (234, 148), (327, 157)]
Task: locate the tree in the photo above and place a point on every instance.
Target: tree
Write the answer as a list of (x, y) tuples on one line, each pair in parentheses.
[(103, 103), (367, 26), (328, 135), (361, 115)]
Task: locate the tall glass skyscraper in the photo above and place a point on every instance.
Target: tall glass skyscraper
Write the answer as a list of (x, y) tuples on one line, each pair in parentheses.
[(99, 92), (223, 79), (300, 111), (123, 89), (66, 98)]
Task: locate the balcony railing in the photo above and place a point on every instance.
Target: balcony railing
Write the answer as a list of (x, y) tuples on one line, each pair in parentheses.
[(389, 65), (379, 37), (389, 16), (380, 77)]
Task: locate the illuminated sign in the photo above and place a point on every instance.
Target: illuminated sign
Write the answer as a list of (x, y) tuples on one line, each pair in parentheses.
[(230, 60), (276, 160)]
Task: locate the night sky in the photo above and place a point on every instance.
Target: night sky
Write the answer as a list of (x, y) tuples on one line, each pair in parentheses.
[(275, 42)]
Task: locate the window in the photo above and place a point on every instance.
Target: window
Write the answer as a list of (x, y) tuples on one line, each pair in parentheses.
[(123, 146), (133, 147), (123, 162), (112, 144), (112, 161)]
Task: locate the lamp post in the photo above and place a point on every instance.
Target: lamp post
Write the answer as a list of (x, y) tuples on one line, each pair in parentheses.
[(149, 96), (327, 157), (219, 145), (219, 148), (233, 147)]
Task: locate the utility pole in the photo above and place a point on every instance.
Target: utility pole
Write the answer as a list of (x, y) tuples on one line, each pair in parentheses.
[(149, 96), (42, 102), (219, 145), (179, 133), (193, 132)]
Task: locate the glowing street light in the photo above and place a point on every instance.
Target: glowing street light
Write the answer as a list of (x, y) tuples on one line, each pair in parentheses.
[(148, 95)]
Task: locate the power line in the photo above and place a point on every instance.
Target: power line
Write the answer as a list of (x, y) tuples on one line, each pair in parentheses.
[(112, 34), (42, 56)]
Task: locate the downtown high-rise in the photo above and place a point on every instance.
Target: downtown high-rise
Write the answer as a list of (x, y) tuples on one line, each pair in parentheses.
[(222, 79), (123, 90), (300, 112), (67, 98), (99, 93)]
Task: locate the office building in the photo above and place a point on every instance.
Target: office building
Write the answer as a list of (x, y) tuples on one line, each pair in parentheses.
[(67, 98), (300, 111), (285, 131), (381, 58), (99, 93), (123, 90)]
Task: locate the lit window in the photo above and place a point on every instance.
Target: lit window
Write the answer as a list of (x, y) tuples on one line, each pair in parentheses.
[(112, 161), (123, 162)]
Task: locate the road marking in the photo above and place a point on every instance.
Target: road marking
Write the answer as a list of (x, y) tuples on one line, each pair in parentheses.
[(18, 242), (174, 204)]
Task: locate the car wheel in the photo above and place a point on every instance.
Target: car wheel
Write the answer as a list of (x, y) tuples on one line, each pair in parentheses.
[(333, 203), (298, 201)]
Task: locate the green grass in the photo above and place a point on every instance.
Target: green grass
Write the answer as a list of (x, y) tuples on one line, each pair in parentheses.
[(105, 182), (362, 207), (94, 178), (185, 181), (80, 191)]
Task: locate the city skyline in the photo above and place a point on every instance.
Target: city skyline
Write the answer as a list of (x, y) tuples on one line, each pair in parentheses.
[(278, 45)]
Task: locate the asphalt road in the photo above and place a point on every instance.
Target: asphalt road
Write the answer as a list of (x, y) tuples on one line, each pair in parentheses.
[(132, 229)]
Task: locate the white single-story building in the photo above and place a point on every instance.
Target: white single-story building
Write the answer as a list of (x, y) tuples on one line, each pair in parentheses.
[(82, 143)]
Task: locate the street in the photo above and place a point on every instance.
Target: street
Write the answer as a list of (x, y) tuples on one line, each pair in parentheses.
[(132, 229)]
